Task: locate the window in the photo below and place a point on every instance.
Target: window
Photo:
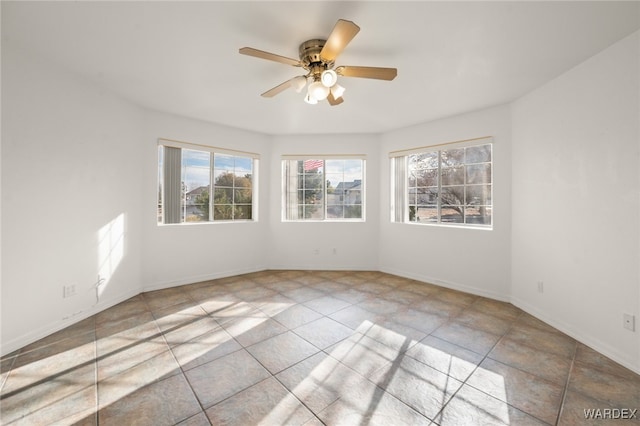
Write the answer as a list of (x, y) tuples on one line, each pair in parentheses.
[(189, 174), (449, 184), (329, 189)]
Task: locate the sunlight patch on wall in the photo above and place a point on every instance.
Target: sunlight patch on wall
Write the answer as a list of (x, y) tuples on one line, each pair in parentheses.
[(110, 251)]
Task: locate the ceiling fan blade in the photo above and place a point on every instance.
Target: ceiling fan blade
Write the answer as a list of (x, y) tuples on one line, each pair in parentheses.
[(333, 101), (279, 88), (367, 72), (250, 51), (341, 35)]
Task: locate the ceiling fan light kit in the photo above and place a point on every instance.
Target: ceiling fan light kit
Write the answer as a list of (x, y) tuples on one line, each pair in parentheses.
[(317, 57)]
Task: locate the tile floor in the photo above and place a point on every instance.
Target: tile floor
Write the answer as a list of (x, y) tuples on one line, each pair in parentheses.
[(312, 348)]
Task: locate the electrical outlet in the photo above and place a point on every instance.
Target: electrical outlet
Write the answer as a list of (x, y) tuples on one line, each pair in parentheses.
[(316, 251), (335, 251), (68, 291), (629, 322), (540, 287)]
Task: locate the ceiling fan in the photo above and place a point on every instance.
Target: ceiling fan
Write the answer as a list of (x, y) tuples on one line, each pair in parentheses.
[(317, 57)]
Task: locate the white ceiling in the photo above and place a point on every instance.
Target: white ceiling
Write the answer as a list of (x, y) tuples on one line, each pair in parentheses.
[(452, 57)]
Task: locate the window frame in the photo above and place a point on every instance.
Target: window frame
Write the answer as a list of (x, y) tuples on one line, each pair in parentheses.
[(212, 151), (286, 208), (400, 195)]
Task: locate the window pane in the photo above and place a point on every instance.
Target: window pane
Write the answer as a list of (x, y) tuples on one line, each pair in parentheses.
[(223, 178), (453, 175), (478, 154), (223, 212), (336, 182), (479, 215), (242, 180), (242, 212), (242, 196), (196, 177), (353, 212), (223, 196), (427, 177), (428, 214), (223, 162), (314, 212), (452, 157), (352, 197), (334, 166), (448, 186), (478, 195), (160, 180), (478, 173), (452, 195), (427, 160), (427, 196), (451, 214), (335, 212)]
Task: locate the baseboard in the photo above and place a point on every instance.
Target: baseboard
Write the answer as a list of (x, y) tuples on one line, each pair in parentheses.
[(161, 285), (595, 344), (447, 284), (42, 332), (320, 268)]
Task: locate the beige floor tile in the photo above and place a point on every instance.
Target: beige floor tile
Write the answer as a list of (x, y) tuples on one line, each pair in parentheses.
[(282, 351), (319, 380), (526, 392), (199, 419), (396, 336), (217, 380), (588, 357), (248, 331), (420, 320), (455, 297), (165, 402), (266, 403), (130, 307), (618, 391), (159, 299), (205, 348), (296, 315), (355, 316), (174, 315), (473, 339), (325, 337), (323, 332), (497, 308), (471, 407), (548, 366), (363, 354), (370, 405), (185, 332), (421, 387), (153, 369), (326, 305), (446, 357), (482, 321), (556, 343)]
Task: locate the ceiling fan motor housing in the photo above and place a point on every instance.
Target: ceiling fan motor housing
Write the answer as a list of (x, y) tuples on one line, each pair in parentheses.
[(310, 56)]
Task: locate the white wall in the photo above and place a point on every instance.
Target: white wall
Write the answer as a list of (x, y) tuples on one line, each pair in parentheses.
[(576, 196), (473, 260), (71, 185), (292, 244), (181, 254)]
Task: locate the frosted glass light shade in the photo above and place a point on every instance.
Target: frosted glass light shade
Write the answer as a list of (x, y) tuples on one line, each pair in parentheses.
[(298, 83), (318, 91), (328, 78), (337, 91), (310, 99)]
